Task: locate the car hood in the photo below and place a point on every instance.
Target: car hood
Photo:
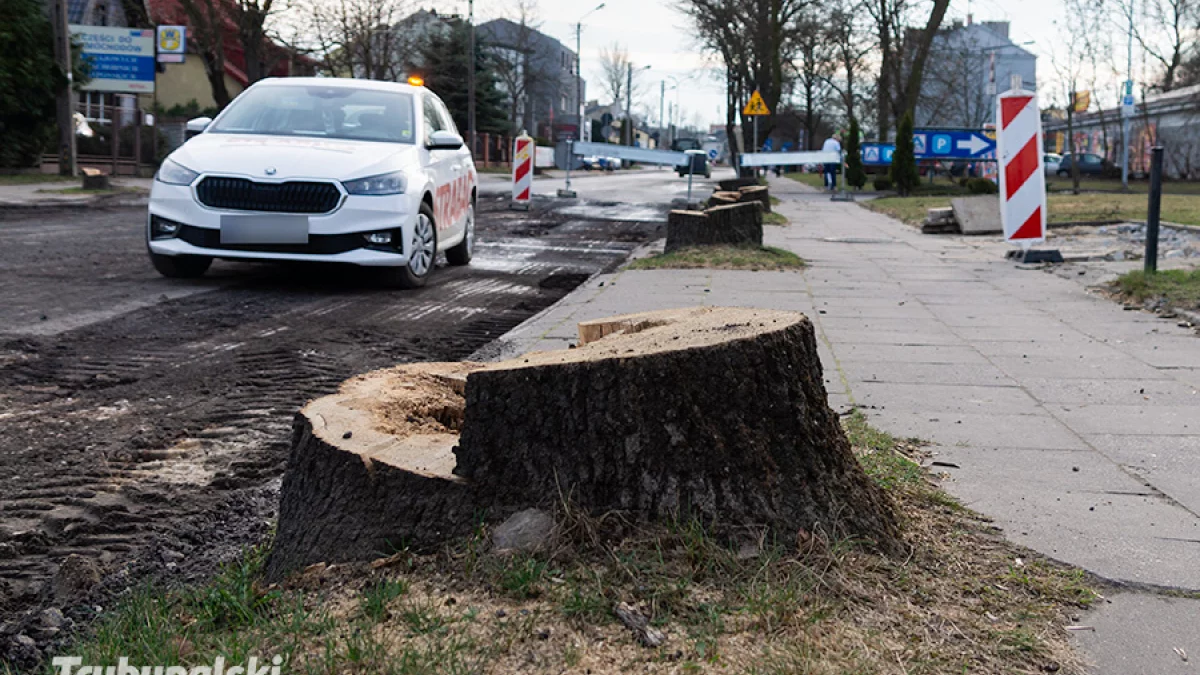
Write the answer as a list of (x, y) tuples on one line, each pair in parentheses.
[(291, 156)]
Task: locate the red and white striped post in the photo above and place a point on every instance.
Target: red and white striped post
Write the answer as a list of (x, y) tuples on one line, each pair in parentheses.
[(522, 171), (1022, 181)]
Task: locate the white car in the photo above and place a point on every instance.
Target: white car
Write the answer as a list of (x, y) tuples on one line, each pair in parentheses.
[(1051, 160), (323, 170)]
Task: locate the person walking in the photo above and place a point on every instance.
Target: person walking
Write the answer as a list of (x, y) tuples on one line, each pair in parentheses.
[(832, 144)]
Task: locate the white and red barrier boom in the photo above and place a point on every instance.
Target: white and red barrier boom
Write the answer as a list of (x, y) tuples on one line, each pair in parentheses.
[(1022, 182)]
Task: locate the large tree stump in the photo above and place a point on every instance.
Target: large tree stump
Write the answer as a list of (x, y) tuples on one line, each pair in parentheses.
[(710, 413), (730, 224)]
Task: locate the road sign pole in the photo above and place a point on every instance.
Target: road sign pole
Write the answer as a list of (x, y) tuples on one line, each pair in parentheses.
[(1153, 209)]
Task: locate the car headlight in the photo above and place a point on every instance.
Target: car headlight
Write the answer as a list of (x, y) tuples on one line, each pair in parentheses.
[(173, 173), (384, 184)]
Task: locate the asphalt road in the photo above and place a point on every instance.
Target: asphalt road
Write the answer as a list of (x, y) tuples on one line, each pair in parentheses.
[(144, 422)]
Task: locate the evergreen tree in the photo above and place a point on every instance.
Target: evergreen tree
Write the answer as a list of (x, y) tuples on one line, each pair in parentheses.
[(905, 176), (30, 79), (445, 71), (855, 176)]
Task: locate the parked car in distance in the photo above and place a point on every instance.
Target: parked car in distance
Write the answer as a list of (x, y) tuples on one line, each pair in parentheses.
[(1089, 165), (597, 163), (697, 164), (1051, 161)]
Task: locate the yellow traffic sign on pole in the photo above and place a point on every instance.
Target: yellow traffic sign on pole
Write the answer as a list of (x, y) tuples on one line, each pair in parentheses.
[(756, 106)]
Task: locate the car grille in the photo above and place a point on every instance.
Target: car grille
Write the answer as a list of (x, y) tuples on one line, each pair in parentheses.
[(318, 244), (246, 195)]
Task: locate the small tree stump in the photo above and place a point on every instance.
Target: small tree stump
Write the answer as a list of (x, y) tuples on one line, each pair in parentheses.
[(757, 193), (722, 198), (717, 414), (735, 184), (94, 179)]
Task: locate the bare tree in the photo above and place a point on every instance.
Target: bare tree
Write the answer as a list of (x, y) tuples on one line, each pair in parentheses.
[(851, 42), (250, 17), (614, 71), (205, 20), (361, 38), (903, 52), (755, 42), (1165, 31), (814, 68)]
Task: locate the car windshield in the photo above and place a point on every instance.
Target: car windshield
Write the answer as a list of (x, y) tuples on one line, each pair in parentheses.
[(321, 112)]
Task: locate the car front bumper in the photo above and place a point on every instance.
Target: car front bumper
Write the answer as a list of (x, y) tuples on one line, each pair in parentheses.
[(334, 237)]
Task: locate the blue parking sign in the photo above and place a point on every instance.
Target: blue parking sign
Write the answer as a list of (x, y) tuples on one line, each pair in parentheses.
[(941, 144)]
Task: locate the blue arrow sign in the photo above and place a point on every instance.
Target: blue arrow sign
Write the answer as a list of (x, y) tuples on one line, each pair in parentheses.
[(952, 144)]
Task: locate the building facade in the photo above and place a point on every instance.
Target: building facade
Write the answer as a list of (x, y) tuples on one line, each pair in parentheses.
[(969, 63), (1170, 119), (540, 78)]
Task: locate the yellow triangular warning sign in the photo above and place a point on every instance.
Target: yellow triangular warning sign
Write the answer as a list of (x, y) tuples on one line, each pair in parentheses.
[(756, 106)]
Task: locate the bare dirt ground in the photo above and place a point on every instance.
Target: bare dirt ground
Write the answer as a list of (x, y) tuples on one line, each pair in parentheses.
[(144, 422)]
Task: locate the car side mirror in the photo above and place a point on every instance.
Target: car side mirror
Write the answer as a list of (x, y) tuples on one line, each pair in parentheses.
[(444, 140), (196, 126)]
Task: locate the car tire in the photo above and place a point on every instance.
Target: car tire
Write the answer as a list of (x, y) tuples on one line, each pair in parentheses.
[(1063, 174), (461, 253), (422, 256), (181, 266)]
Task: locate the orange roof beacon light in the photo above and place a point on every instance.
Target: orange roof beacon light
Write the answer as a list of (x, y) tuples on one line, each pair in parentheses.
[(416, 80)]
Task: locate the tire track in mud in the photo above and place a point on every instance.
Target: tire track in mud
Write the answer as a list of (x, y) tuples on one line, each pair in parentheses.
[(151, 444)]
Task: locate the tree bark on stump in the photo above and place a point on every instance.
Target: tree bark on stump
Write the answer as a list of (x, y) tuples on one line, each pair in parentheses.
[(735, 184), (731, 224), (718, 414), (713, 413)]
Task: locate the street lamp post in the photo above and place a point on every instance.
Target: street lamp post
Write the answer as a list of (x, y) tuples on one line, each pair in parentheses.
[(579, 105), (471, 74), (629, 98)]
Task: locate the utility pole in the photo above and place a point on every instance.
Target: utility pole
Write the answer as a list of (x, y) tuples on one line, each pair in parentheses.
[(629, 102), (1126, 114), (662, 98), (65, 109), (471, 73)]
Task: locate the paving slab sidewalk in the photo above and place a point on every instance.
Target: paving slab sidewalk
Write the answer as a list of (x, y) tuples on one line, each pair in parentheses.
[(1074, 424)]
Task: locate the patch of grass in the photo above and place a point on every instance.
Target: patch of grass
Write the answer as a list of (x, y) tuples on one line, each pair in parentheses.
[(774, 218), (504, 170), (376, 597), (1061, 208), (722, 257), (815, 180), (1180, 288), (775, 200), (35, 178), (1057, 184)]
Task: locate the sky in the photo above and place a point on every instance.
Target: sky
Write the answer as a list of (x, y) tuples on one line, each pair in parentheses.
[(658, 35)]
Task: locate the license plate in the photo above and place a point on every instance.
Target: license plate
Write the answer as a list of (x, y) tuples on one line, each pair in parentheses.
[(265, 229)]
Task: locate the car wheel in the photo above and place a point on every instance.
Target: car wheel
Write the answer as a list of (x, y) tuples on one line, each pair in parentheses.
[(181, 266), (461, 254), (1063, 174), (422, 255)]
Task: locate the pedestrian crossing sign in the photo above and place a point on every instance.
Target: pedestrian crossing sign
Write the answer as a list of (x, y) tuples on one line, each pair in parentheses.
[(756, 106)]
